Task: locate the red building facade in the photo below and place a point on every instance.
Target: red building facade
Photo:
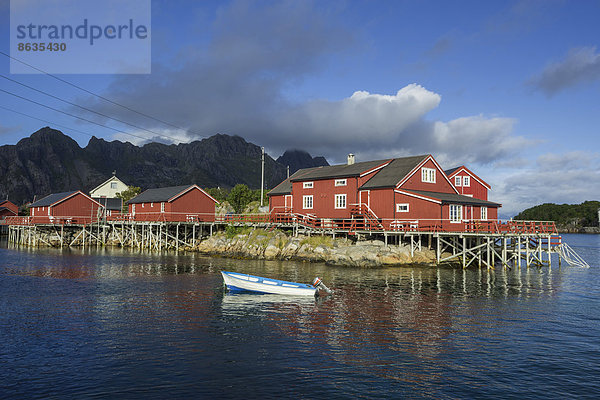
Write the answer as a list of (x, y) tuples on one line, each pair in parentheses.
[(8, 209), (68, 207), (467, 183), (397, 193), (173, 204)]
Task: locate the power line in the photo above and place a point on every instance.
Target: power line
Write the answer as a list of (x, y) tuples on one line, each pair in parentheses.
[(97, 95), (71, 115), (85, 108), (46, 121)]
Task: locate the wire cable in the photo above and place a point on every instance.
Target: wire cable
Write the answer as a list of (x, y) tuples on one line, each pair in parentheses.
[(99, 96), (86, 109)]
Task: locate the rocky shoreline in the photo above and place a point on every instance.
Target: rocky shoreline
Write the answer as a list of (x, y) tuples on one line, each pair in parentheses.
[(276, 245), (588, 229)]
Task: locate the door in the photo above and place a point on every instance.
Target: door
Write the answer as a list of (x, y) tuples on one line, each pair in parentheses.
[(365, 197), (288, 202)]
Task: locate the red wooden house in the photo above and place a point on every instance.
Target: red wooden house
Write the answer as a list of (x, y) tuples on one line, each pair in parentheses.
[(68, 207), (393, 193), (173, 204), (467, 183), (8, 209)]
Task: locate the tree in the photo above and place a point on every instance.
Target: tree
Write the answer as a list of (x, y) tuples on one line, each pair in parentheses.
[(128, 194), (240, 196), (218, 193)]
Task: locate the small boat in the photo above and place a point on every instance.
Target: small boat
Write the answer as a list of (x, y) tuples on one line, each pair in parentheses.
[(238, 282)]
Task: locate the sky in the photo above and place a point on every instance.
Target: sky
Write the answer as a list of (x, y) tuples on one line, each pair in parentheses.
[(510, 89)]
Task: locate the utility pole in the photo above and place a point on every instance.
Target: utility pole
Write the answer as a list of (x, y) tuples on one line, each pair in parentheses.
[(262, 175), (288, 171)]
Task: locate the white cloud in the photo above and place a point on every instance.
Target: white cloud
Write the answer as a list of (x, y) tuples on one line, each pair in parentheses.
[(570, 178)]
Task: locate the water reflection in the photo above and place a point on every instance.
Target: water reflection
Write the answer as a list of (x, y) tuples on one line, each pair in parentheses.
[(165, 319)]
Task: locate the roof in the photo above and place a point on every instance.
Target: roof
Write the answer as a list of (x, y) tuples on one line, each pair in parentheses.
[(110, 203), (450, 171), (390, 175), (52, 198), (285, 187), (6, 208), (336, 171), (451, 198), (164, 194), (112, 178)]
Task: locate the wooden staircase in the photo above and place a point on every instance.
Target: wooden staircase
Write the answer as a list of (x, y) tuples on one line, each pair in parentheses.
[(363, 218)]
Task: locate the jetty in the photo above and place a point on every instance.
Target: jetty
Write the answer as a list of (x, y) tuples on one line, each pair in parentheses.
[(478, 243)]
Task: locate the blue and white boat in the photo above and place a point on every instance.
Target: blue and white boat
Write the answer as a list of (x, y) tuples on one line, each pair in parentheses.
[(238, 282)]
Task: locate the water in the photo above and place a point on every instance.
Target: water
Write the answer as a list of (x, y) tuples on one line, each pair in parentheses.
[(120, 324)]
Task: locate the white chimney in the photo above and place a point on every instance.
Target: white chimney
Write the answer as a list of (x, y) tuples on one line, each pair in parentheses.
[(350, 159)]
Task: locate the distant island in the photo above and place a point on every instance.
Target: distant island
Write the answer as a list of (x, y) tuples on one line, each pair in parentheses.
[(569, 218)]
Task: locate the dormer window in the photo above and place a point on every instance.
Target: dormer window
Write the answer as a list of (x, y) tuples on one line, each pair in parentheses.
[(458, 181), (308, 185), (428, 175)]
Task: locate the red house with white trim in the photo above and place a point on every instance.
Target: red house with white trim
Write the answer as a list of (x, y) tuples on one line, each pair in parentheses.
[(173, 204), (394, 194), (68, 207), (467, 183), (8, 209)]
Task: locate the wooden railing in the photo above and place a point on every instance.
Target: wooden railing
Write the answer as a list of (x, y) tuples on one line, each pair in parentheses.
[(363, 221)]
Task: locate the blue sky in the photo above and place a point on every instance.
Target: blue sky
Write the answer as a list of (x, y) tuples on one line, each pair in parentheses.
[(510, 89)]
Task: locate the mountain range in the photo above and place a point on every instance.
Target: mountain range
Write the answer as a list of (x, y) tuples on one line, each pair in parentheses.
[(50, 162)]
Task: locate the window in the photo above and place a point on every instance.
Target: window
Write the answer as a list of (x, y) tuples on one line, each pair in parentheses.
[(152, 205), (340, 201), (307, 202), (428, 175), (340, 182), (133, 208), (162, 207), (457, 180), (308, 185), (484, 213), (402, 207), (142, 205), (113, 185), (455, 213), (466, 181)]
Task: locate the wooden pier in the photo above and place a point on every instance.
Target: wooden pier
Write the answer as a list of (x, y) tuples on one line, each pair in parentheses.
[(488, 244)]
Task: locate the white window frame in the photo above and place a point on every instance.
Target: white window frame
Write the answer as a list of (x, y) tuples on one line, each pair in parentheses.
[(113, 185), (162, 207), (308, 185), (466, 181), (428, 175), (400, 206), (306, 199), (133, 209), (341, 182), (340, 201), (484, 213), (458, 181), (455, 212)]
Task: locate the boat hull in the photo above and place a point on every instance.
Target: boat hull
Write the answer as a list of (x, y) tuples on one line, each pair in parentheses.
[(238, 282)]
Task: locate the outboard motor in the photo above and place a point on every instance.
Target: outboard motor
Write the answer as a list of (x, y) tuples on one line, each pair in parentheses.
[(318, 283)]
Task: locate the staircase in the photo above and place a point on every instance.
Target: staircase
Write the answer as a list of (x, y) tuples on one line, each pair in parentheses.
[(364, 218)]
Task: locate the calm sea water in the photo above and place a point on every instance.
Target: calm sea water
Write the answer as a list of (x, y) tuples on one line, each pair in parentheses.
[(121, 324)]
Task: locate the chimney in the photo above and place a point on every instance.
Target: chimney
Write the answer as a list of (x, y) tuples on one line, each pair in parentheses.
[(350, 159)]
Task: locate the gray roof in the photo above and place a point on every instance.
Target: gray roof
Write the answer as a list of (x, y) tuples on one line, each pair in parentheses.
[(336, 171), (450, 171), (284, 187), (52, 198), (110, 203), (158, 195), (394, 172), (451, 198)]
